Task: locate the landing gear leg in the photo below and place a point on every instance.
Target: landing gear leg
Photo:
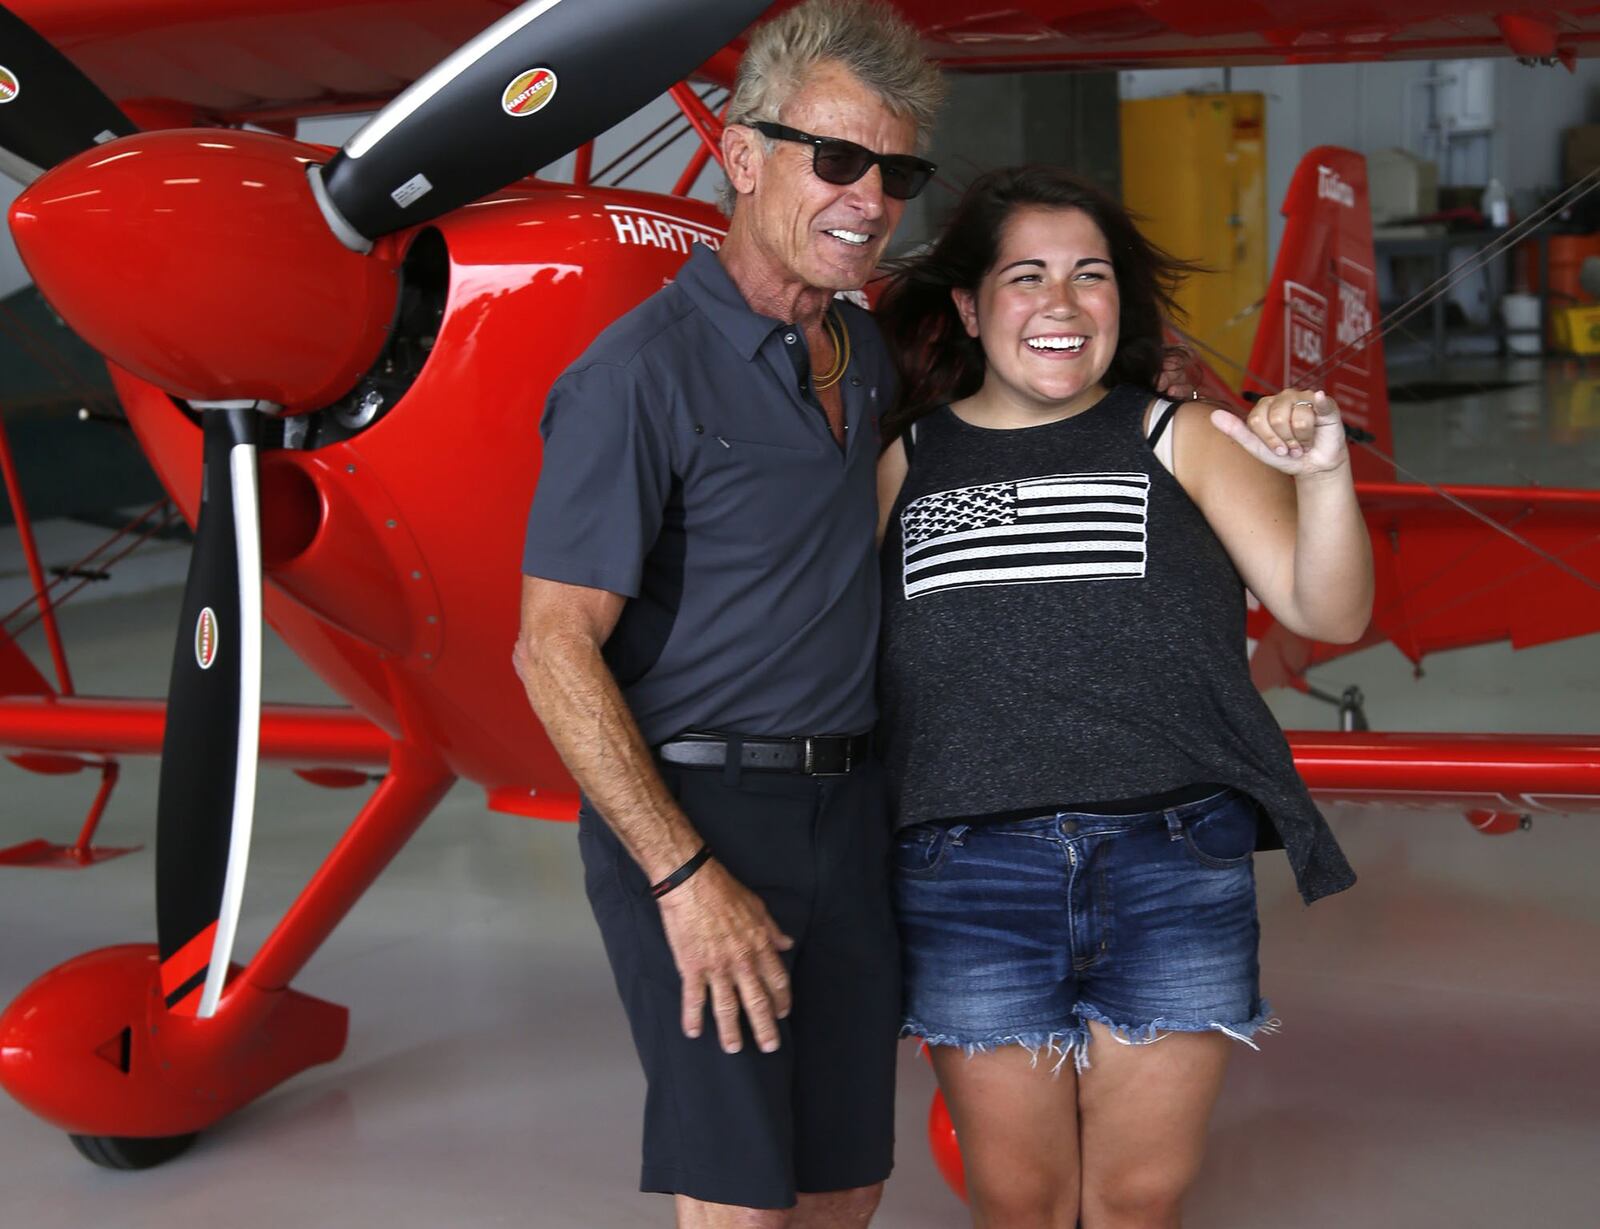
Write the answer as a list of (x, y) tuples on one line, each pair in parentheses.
[(1351, 705)]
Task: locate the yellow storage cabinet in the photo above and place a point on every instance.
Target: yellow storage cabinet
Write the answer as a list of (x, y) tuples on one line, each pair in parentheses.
[(1194, 169)]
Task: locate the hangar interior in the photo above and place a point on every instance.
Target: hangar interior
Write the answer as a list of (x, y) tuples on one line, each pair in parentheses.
[(1436, 1065)]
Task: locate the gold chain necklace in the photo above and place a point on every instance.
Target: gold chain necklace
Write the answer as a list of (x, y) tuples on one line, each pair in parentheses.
[(840, 336)]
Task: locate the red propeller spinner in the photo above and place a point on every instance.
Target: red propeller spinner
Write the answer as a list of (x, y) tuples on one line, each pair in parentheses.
[(199, 260)]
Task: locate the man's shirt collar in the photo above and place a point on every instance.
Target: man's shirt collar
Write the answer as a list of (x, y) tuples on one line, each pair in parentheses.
[(709, 288)]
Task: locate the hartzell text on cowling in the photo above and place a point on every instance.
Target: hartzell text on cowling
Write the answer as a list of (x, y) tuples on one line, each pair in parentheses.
[(650, 231)]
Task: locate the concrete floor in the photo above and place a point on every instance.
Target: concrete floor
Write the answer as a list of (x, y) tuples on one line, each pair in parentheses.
[(1438, 1065)]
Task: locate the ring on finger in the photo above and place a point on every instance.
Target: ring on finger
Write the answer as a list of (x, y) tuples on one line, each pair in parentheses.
[(1305, 403)]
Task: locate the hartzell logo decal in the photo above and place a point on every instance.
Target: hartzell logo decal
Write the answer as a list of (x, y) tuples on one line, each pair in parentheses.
[(10, 87), (529, 92), (647, 228), (205, 639)]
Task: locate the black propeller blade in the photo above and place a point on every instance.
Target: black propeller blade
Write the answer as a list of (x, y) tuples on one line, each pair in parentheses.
[(537, 84), (48, 109), (206, 801)]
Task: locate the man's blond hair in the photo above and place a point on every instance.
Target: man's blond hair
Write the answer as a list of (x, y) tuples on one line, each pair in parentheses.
[(878, 46), (873, 42)]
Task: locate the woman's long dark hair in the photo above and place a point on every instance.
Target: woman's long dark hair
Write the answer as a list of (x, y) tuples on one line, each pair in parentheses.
[(939, 363)]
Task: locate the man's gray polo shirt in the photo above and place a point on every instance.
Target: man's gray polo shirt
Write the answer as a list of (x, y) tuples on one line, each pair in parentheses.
[(686, 469)]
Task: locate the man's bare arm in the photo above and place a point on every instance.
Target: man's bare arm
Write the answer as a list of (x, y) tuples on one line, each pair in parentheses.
[(576, 698), (721, 935)]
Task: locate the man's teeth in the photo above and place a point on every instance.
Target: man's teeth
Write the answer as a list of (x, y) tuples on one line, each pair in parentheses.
[(850, 236), (1056, 343)]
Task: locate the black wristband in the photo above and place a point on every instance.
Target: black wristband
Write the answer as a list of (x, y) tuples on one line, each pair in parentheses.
[(681, 875)]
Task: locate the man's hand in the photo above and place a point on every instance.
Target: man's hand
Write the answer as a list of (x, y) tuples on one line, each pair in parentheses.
[(1176, 382), (725, 942)]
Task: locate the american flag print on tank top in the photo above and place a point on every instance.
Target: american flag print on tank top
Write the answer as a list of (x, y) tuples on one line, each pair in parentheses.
[(1057, 528)]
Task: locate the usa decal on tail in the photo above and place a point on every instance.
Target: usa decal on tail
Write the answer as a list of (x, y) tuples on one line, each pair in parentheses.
[(1317, 324)]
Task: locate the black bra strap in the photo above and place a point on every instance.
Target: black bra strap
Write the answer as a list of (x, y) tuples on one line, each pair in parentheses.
[(1161, 422)]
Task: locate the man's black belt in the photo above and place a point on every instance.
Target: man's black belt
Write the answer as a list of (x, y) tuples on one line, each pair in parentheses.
[(826, 755)]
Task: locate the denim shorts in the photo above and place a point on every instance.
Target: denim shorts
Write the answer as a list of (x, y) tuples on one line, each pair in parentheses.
[(1021, 932)]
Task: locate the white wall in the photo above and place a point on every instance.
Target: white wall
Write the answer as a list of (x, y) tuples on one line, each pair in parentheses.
[(1535, 107), (1367, 107)]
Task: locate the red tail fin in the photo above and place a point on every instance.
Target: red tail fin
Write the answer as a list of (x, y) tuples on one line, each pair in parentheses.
[(1323, 298)]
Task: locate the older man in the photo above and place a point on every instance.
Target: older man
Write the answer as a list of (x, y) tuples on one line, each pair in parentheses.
[(700, 614)]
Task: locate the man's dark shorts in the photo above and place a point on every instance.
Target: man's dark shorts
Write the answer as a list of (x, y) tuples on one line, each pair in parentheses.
[(753, 1129)]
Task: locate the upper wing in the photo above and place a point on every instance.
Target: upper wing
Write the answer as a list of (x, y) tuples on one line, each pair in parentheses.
[(273, 60), (234, 60), (1173, 33)]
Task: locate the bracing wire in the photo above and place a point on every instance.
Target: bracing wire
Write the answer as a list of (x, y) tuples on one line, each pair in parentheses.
[(680, 126)]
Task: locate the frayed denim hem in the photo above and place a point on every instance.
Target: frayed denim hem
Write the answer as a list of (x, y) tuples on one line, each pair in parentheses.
[(1144, 1034), (1059, 1044)]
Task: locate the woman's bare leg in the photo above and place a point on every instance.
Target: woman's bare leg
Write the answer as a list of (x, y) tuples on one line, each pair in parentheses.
[(1143, 1111), (1018, 1125)]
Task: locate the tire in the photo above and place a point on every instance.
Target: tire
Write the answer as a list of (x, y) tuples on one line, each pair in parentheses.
[(131, 1152)]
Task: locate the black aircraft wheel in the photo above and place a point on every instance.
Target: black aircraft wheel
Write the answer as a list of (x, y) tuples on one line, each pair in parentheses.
[(131, 1152)]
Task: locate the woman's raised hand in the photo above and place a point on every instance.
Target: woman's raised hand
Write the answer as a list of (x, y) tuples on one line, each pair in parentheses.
[(1297, 432)]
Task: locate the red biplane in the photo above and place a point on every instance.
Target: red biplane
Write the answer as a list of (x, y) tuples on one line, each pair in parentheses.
[(335, 361)]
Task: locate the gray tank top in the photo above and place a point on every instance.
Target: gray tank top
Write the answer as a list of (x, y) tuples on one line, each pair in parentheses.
[(1060, 623)]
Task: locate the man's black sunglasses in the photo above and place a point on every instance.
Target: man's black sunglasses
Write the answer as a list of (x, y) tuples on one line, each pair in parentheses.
[(837, 161)]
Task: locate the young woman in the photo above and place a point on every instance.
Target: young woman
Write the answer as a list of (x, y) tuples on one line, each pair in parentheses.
[(1082, 766)]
